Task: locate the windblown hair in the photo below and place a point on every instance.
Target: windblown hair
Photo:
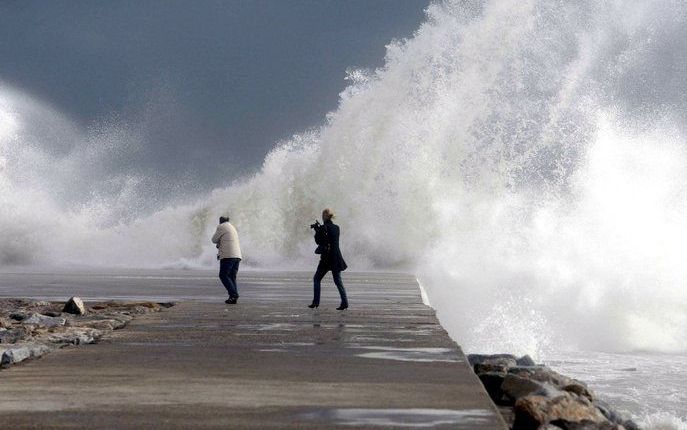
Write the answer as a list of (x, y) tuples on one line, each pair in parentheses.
[(328, 214)]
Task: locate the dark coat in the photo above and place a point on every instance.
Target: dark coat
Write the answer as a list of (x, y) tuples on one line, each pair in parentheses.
[(331, 258)]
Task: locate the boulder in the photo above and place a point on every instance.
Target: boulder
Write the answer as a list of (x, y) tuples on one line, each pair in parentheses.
[(495, 364), (525, 360), (18, 316), (525, 371), (515, 387), (74, 306), (544, 374), (40, 304), (579, 389), (480, 368), (100, 323), (492, 383), (83, 338), (76, 336), (20, 353), (630, 425), (15, 355), (535, 410), (13, 335), (44, 321), (491, 358), (614, 416), (52, 313)]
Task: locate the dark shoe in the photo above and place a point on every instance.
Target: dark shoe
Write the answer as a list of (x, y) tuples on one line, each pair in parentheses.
[(231, 301), (313, 305), (342, 307)]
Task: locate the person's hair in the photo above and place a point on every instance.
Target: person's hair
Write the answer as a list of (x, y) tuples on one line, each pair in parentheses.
[(223, 219), (328, 214)]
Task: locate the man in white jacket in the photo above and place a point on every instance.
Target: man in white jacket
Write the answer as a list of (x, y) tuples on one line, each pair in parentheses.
[(229, 254)]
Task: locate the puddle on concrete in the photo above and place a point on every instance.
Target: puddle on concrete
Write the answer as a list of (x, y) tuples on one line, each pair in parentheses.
[(410, 354), (418, 332), (338, 326), (285, 346), (158, 344), (269, 326), (185, 326), (281, 316), (378, 339), (391, 331), (417, 418)]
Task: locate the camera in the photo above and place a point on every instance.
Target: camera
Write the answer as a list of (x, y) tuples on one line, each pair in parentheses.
[(316, 225)]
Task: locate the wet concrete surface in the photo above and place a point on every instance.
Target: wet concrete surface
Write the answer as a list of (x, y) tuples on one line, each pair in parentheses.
[(268, 362)]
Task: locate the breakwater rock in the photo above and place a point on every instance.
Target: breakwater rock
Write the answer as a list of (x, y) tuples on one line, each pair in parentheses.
[(531, 396), (30, 328)]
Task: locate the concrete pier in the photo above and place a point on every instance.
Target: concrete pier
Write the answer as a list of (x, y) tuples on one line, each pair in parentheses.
[(268, 362)]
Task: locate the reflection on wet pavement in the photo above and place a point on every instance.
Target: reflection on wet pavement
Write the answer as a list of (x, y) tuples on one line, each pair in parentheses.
[(417, 418), (269, 326), (410, 354), (268, 362), (370, 338)]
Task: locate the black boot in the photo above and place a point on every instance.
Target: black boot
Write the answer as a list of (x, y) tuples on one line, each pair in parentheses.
[(313, 305), (342, 306)]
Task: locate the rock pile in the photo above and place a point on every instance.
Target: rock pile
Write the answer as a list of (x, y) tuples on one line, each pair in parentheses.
[(538, 398), (30, 328), (74, 306)]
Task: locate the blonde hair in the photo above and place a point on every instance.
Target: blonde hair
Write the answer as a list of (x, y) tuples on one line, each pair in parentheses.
[(328, 214)]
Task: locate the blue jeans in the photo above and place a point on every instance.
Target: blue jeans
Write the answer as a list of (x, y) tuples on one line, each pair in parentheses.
[(317, 280), (228, 268)]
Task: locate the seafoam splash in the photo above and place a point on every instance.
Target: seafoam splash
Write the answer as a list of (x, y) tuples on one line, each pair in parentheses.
[(526, 158)]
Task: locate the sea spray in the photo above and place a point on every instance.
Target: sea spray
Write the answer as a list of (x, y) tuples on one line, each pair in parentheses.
[(525, 158)]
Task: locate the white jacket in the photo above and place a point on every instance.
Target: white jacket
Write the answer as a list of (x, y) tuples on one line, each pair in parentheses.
[(228, 240)]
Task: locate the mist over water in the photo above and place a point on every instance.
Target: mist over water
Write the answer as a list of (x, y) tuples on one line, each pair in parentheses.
[(526, 159)]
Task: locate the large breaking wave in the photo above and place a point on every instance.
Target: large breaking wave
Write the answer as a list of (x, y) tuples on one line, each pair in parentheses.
[(525, 158)]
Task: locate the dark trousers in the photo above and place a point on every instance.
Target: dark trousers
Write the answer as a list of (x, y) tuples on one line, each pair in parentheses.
[(228, 268), (317, 280)]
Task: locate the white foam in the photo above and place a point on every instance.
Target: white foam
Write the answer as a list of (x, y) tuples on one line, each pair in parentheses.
[(525, 158)]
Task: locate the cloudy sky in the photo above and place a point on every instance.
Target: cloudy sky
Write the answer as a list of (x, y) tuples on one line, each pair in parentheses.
[(211, 85)]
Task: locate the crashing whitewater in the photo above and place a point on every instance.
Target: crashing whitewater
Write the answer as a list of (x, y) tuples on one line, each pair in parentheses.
[(526, 159)]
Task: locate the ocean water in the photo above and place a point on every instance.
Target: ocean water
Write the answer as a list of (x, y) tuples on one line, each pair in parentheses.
[(526, 158), (647, 386)]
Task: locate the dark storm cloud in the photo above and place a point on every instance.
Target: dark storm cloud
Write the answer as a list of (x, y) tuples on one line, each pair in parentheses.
[(211, 85)]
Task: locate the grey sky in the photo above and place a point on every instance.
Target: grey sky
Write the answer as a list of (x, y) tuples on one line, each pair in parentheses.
[(211, 84)]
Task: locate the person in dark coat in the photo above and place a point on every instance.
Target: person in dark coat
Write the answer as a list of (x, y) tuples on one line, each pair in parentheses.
[(327, 239)]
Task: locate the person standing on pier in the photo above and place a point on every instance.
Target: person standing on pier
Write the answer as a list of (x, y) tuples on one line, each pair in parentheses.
[(327, 239), (229, 255)]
